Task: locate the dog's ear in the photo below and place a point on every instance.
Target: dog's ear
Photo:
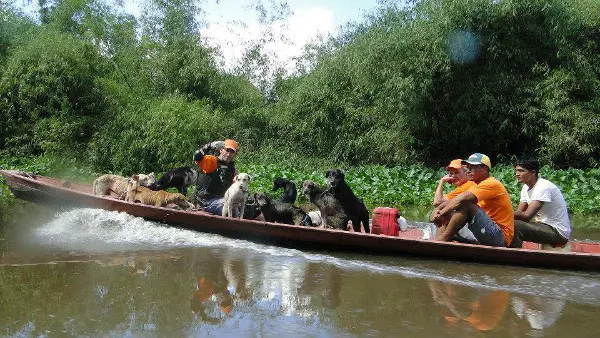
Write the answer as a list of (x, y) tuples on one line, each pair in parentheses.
[(328, 173), (135, 177), (341, 173)]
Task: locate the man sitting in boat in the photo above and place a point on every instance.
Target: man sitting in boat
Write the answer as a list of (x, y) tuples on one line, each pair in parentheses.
[(542, 202), (216, 174), (457, 175), (485, 207)]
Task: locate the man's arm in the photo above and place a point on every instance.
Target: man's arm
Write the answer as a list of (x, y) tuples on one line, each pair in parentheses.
[(439, 197), (207, 148), (526, 211), (446, 207)]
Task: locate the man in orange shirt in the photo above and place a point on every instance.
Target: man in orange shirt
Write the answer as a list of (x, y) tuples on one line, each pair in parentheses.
[(457, 175), (485, 207)]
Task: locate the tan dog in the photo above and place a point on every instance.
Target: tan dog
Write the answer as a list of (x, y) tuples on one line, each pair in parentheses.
[(104, 184), (235, 196), (160, 198)]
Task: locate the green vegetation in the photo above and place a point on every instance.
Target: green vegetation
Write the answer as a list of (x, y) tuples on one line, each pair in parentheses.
[(390, 99), (402, 187)]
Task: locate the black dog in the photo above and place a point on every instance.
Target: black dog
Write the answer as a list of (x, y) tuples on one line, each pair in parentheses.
[(353, 206), (179, 178), (252, 209), (289, 189), (280, 212), (331, 209)]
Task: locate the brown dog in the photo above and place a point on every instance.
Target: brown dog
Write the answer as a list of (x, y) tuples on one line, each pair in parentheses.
[(160, 198)]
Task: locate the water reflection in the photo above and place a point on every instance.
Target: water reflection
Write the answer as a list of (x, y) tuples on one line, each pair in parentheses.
[(101, 273), (481, 309), (488, 310), (220, 284), (540, 313)]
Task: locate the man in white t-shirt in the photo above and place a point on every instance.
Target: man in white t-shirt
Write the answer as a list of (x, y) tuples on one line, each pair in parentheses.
[(541, 216)]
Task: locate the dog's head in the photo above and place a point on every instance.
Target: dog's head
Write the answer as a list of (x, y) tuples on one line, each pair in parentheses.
[(243, 180), (133, 182), (307, 187), (280, 182), (261, 199), (132, 187), (180, 200), (146, 180), (334, 177)]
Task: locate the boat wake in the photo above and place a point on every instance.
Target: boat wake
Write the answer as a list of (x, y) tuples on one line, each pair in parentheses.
[(97, 231)]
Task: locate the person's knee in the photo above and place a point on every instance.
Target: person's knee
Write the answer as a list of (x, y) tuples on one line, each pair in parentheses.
[(432, 215), (468, 208)]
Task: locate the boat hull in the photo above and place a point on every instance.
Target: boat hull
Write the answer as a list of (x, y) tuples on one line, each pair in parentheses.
[(55, 192)]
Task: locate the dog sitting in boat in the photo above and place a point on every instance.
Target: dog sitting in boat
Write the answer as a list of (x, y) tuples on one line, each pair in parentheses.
[(106, 183), (178, 178), (353, 206), (281, 212), (235, 196), (332, 212), (289, 189), (160, 198)]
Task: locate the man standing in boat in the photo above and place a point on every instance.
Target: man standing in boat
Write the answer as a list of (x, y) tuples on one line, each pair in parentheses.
[(484, 208), (216, 174), (542, 202)]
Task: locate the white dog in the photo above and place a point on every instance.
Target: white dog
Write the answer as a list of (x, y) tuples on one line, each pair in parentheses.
[(235, 196)]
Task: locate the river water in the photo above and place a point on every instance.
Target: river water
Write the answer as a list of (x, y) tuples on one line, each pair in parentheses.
[(90, 272)]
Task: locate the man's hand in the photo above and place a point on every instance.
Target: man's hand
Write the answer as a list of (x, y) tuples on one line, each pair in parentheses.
[(447, 179), (439, 219)]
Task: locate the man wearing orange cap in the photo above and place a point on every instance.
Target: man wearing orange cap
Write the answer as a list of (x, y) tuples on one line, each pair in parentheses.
[(216, 174), (457, 175), (485, 208)]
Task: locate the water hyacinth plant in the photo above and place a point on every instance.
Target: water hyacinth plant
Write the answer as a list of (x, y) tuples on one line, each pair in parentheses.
[(400, 186)]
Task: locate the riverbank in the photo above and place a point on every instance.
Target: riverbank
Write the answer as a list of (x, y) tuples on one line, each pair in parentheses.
[(409, 188)]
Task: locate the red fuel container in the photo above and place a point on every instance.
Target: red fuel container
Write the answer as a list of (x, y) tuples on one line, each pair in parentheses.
[(386, 219)]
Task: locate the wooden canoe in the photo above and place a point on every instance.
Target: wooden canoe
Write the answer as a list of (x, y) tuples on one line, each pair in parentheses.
[(47, 190)]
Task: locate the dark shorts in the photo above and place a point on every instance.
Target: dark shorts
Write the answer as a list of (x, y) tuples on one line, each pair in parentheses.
[(486, 231), (212, 205), (536, 232)]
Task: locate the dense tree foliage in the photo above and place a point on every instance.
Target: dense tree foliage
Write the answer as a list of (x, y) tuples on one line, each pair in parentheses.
[(447, 78), (412, 84)]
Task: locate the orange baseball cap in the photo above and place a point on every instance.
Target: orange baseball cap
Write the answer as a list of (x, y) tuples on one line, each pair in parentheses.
[(456, 164), (230, 144)]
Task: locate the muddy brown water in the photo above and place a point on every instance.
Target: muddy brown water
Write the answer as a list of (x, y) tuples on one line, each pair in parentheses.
[(90, 272)]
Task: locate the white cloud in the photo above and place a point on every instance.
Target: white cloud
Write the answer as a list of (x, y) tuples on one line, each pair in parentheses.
[(286, 42)]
